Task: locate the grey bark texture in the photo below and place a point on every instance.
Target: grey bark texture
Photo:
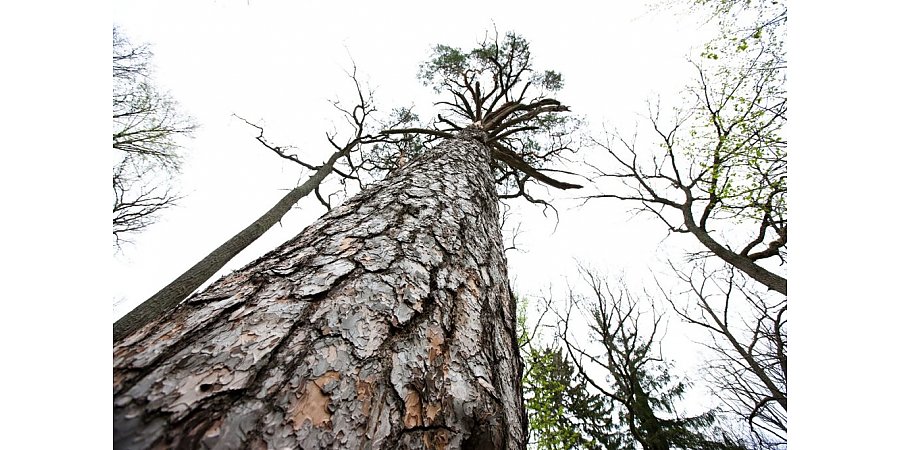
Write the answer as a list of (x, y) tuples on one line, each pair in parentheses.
[(743, 263), (176, 291), (386, 324)]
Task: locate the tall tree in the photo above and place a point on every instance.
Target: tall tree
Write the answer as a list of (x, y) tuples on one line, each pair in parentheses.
[(718, 172), (185, 284), (631, 375), (146, 129), (562, 413), (748, 339), (387, 323)]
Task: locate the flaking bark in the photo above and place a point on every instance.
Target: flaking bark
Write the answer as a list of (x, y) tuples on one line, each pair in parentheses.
[(386, 324)]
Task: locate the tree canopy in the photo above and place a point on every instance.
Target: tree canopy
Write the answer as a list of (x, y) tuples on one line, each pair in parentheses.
[(495, 88)]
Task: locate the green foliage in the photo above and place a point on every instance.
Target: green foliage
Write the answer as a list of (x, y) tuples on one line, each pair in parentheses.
[(741, 109), (495, 88), (549, 80), (548, 384), (446, 61), (626, 399), (561, 413), (501, 63), (564, 414), (522, 337)]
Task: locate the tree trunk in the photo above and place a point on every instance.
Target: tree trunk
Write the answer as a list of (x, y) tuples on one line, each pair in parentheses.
[(744, 264), (176, 291), (386, 324)]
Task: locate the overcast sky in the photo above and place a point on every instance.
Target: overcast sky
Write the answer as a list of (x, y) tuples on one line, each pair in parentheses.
[(279, 64), (219, 59)]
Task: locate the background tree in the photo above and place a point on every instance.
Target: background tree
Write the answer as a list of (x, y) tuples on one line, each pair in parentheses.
[(562, 414), (179, 289), (719, 170), (386, 323), (719, 173), (637, 384), (748, 338), (146, 131)]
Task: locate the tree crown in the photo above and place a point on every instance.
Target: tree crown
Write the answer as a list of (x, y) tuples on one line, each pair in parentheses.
[(495, 87)]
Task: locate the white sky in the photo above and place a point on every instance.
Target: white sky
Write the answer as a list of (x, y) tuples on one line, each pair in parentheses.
[(278, 63), (56, 280)]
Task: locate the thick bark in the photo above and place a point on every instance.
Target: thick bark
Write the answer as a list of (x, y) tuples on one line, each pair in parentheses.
[(176, 291), (387, 324)]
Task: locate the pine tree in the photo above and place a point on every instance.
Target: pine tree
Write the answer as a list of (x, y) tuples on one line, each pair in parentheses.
[(388, 323)]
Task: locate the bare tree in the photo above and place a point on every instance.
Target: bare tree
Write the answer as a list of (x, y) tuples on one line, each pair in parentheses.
[(632, 374), (387, 323), (748, 336), (721, 163), (175, 292), (718, 170), (146, 131)]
